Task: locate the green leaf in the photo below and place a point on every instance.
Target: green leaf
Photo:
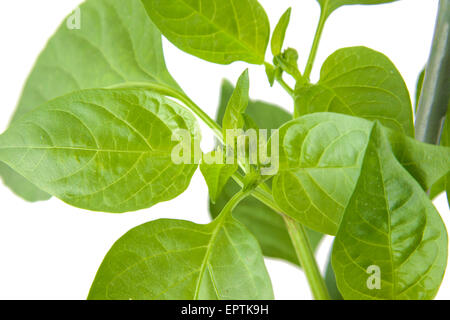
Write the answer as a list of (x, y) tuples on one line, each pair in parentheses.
[(264, 223), (320, 161), (360, 82), (443, 184), (180, 260), (330, 281), (219, 31), (328, 6), (279, 33), (103, 150), (216, 174), (237, 104), (117, 43), (390, 226), (419, 86), (270, 72)]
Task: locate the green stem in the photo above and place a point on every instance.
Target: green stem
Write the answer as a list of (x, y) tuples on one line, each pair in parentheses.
[(262, 193), (435, 94), (306, 256), (315, 45), (233, 202), (285, 86)]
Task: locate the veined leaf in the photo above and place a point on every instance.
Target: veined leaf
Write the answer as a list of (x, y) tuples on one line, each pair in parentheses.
[(320, 162), (392, 243), (328, 6), (102, 150), (180, 260), (216, 174), (116, 43), (360, 82), (219, 31), (279, 33), (264, 223), (236, 106)]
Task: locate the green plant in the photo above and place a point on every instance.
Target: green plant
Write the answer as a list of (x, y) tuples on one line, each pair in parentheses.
[(100, 118)]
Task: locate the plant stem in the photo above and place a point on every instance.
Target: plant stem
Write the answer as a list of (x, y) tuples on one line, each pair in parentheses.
[(305, 254), (435, 95), (315, 45), (262, 193), (285, 86), (233, 202)]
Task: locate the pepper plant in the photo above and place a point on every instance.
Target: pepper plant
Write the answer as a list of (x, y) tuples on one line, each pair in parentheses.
[(100, 117)]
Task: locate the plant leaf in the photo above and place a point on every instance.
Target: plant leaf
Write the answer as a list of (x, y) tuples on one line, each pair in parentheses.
[(360, 82), (217, 174), (279, 33), (180, 260), (391, 224), (328, 6), (330, 280), (117, 43), (219, 31), (419, 86), (237, 104), (102, 150), (320, 161), (264, 223)]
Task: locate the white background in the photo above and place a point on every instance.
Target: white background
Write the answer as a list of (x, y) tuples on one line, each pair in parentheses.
[(50, 250)]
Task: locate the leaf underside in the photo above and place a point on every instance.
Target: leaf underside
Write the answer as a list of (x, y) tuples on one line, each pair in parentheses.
[(117, 43), (219, 31), (102, 150), (360, 82), (180, 260)]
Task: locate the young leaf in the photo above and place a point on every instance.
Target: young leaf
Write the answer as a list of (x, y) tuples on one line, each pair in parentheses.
[(237, 104), (279, 33), (116, 43), (264, 223), (219, 31), (103, 150), (328, 6), (180, 260), (216, 174), (360, 82), (320, 161), (392, 243), (419, 86)]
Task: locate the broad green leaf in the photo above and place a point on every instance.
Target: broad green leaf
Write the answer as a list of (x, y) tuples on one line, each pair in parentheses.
[(103, 150), (236, 106), (390, 232), (328, 6), (320, 162), (216, 174), (180, 260), (360, 82), (219, 31), (265, 224), (279, 33), (116, 43)]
